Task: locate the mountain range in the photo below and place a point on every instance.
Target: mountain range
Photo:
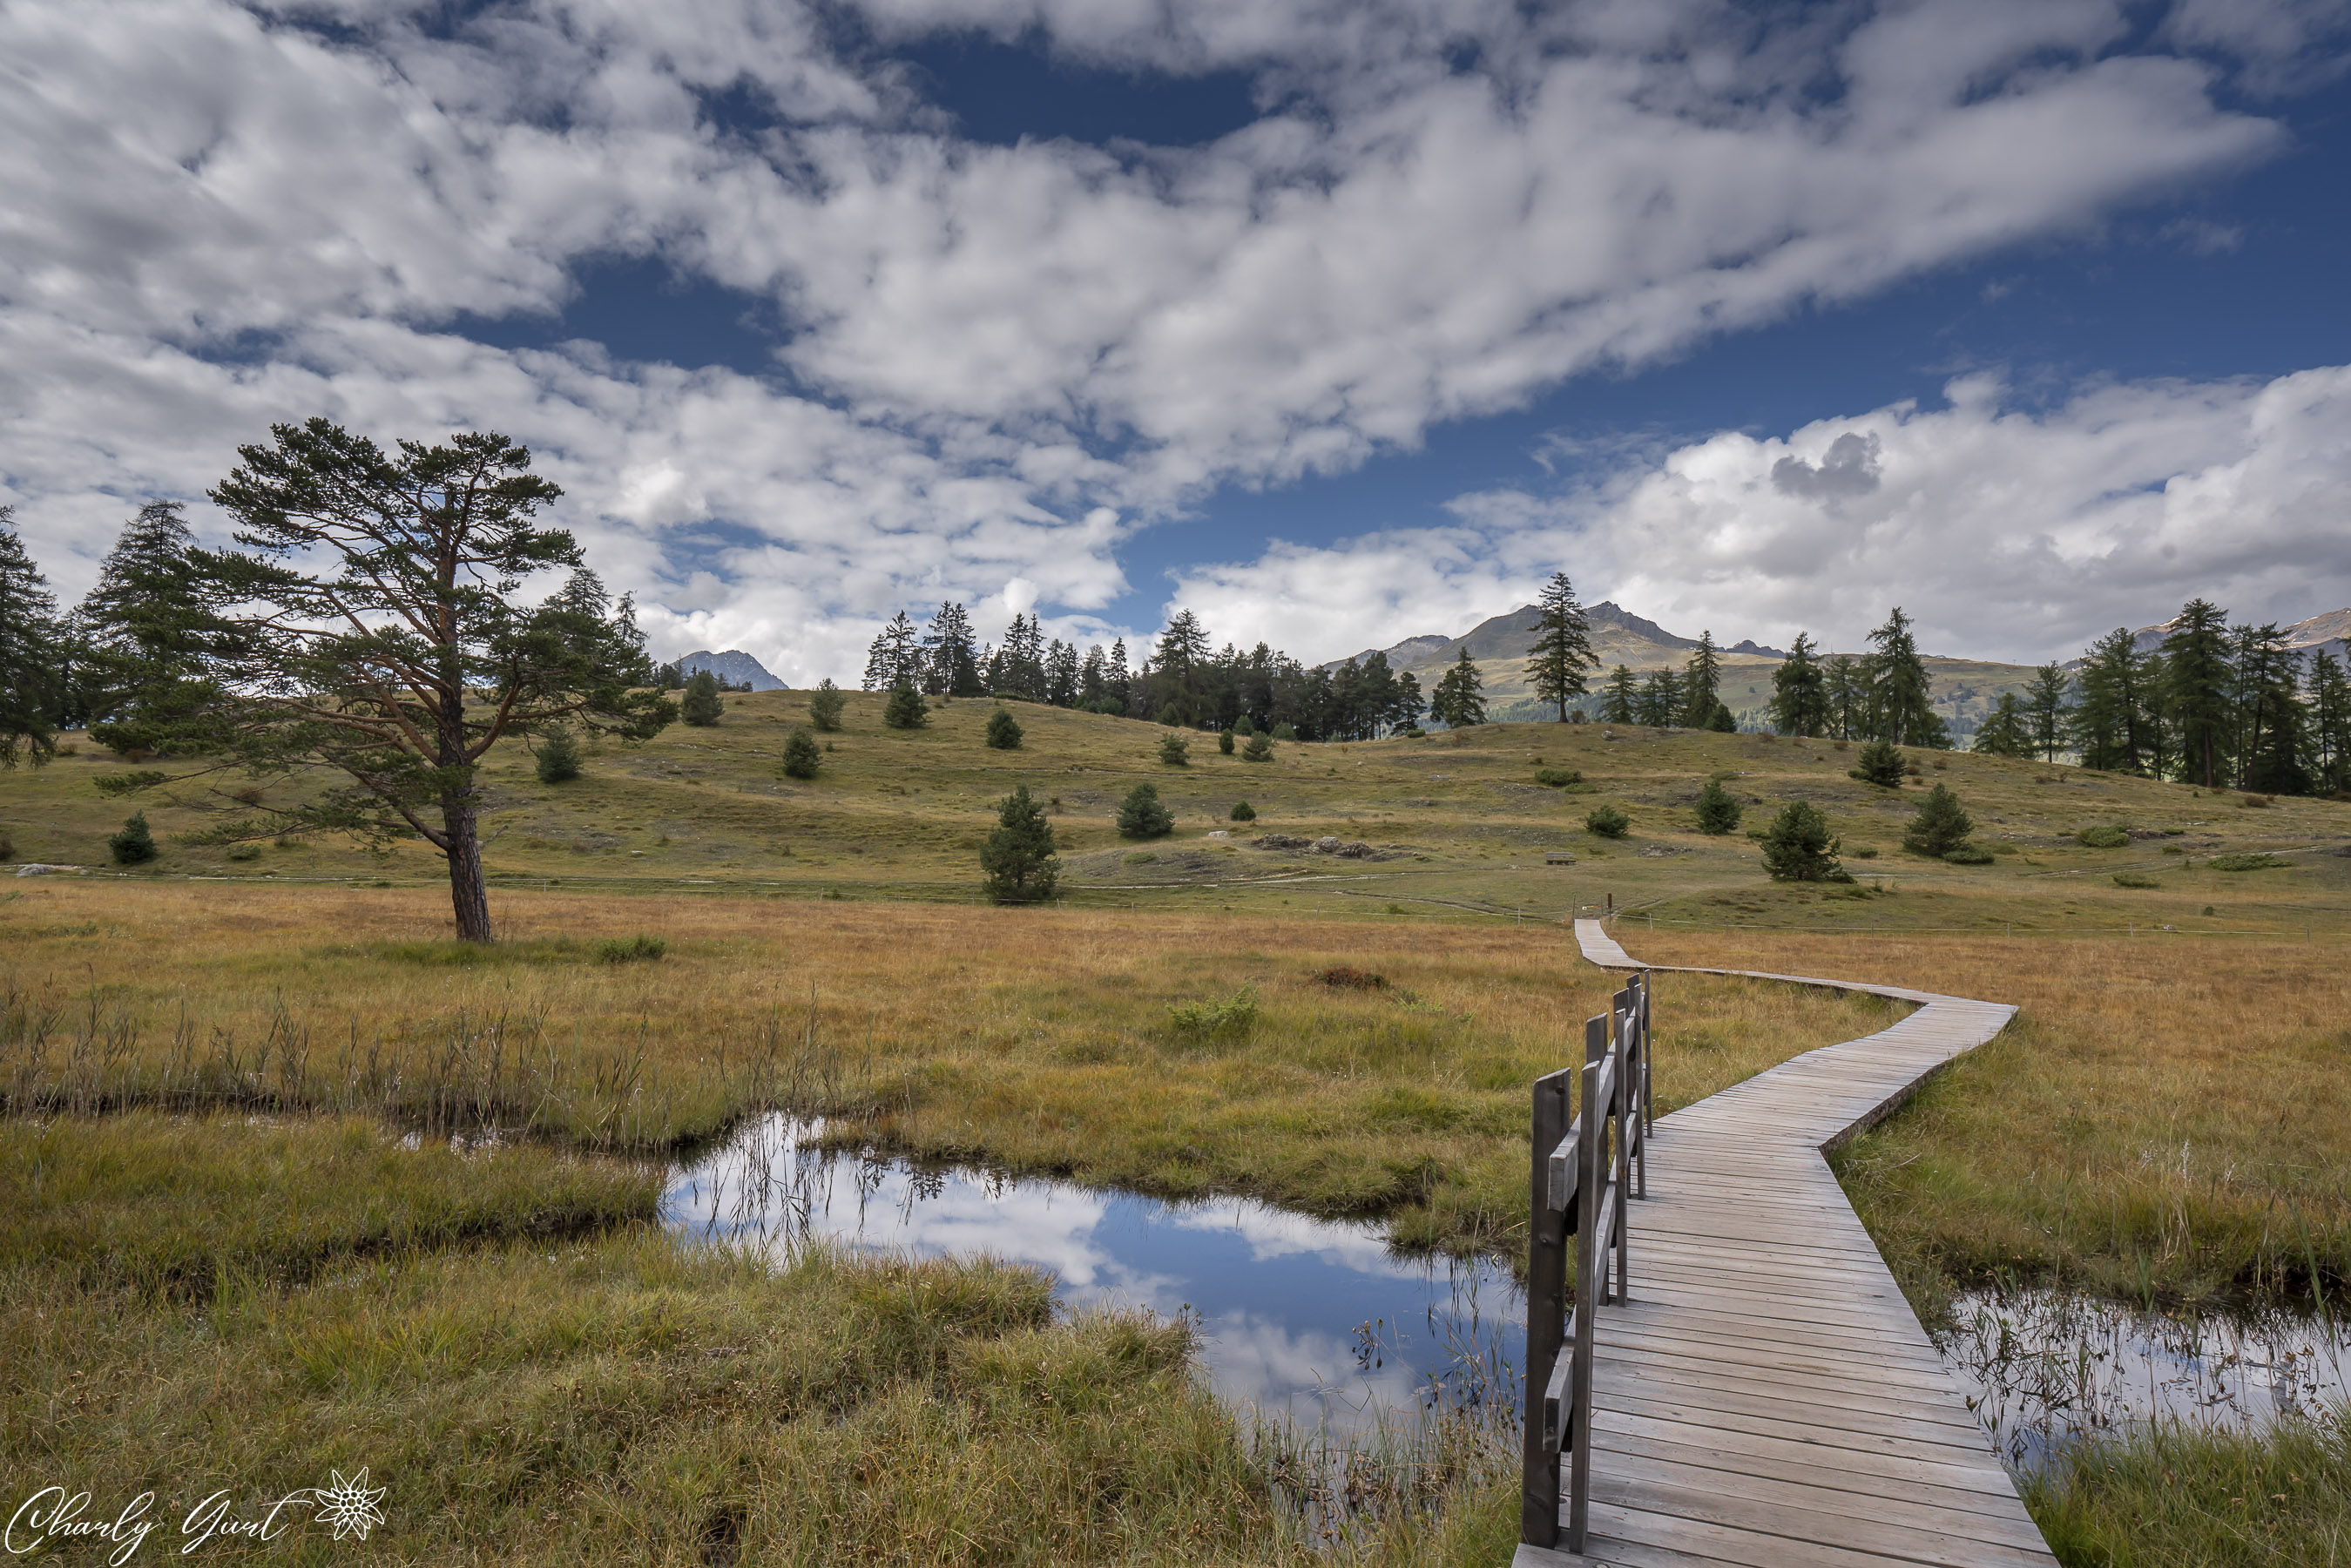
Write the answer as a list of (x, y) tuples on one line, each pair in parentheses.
[(734, 668)]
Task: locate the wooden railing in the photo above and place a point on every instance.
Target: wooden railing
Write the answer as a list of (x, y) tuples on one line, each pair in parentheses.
[(1585, 1166)]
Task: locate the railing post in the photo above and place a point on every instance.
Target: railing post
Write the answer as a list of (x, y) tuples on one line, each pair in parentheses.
[(1591, 1279), (1547, 1267)]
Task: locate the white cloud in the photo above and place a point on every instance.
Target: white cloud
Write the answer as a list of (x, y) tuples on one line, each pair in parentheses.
[(218, 215), (2007, 533)]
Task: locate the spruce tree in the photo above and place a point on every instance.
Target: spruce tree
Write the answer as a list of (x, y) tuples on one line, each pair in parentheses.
[(557, 756), (825, 704), (1718, 813), (896, 656), (1799, 698), (2200, 678), (1797, 846), (1461, 699), (1562, 645), (905, 710), (1143, 816), (1901, 708), (1940, 826), (1243, 812), (1844, 688), (134, 845), (702, 704), (141, 633), (1723, 722), (1003, 730), (1620, 701), (1020, 858), (31, 653), (1224, 742), (1175, 750), (802, 756), (2048, 702), (951, 655), (1701, 683), (1608, 821), (2007, 732), (1881, 763), (1258, 750)]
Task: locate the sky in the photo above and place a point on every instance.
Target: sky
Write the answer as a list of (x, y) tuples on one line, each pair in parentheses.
[(1336, 322)]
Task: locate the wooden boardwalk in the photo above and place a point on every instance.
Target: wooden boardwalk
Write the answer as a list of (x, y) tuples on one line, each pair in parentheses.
[(1765, 1397)]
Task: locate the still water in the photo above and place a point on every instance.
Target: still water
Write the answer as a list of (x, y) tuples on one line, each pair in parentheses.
[(1315, 1319), (1321, 1321)]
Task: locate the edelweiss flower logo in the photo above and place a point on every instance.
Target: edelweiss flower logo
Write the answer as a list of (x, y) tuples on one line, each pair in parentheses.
[(348, 1505)]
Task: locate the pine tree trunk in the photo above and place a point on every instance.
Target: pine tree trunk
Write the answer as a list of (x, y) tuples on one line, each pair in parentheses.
[(467, 894)]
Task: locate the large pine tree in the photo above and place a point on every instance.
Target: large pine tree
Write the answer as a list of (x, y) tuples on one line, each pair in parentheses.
[(32, 653), (894, 658), (2199, 684), (1702, 682), (1020, 858), (1562, 645), (951, 655), (2048, 702), (1461, 699), (1901, 707), (1620, 700), (1800, 699)]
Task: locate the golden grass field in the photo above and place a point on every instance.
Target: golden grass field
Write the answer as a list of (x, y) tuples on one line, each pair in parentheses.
[(225, 1270)]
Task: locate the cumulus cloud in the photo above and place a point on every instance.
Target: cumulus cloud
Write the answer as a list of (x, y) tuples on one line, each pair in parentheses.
[(2009, 533), (996, 360)]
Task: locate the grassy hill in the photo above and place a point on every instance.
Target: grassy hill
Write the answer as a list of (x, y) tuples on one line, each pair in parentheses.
[(1456, 825)]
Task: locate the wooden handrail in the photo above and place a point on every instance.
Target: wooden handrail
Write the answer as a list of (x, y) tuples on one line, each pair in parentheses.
[(1585, 1166)]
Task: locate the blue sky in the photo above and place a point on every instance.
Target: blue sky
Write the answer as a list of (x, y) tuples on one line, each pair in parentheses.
[(1336, 324)]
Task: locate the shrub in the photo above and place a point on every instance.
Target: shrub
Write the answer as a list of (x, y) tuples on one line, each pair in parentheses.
[(2133, 879), (1142, 815), (1716, 811), (1258, 750), (1234, 1015), (1416, 733), (1609, 822), (134, 845), (1003, 730), (643, 948), (905, 710), (1867, 853), (1558, 777), (1882, 763), (701, 705), (1243, 812), (1175, 750), (1244, 727), (801, 757), (1347, 978), (1019, 857), (2256, 800), (2104, 837), (1797, 847), (1940, 826), (2246, 862), (1225, 741), (1969, 854), (1142, 857), (1169, 716), (825, 704), (1285, 731), (7, 847)]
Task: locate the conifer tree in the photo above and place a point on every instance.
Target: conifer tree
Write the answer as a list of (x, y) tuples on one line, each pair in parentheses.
[(1143, 816), (1701, 683), (2200, 676), (31, 653), (825, 704), (1881, 763), (1797, 846), (1661, 699), (1003, 730), (1562, 645), (140, 630), (896, 656), (1461, 699), (702, 704), (1799, 698), (950, 656), (1020, 858), (557, 756), (1224, 742), (2005, 731), (134, 845), (2048, 702), (1845, 684), (1175, 750), (1940, 826), (1258, 750), (1901, 709), (2113, 721), (802, 756), (905, 710), (1620, 701), (2330, 723), (1243, 812), (1723, 722), (1718, 813)]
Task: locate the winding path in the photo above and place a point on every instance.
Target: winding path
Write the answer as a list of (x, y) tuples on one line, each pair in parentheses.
[(1765, 1397)]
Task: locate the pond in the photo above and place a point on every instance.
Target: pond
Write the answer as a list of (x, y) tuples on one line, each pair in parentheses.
[(1318, 1320)]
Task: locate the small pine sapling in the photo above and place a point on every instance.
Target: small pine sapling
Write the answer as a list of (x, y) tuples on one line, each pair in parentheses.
[(1940, 826), (1797, 847), (1003, 730), (801, 757), (1609, 822), (1718, 813), (1285, 730), (1225, 741), (1175, 750), (134, 845), (1019, 860), (701, 704), (1244, 812), (905, 708), (1142, 815), (825, 704), (1258, 750), (558, 755), (1881, 763)]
